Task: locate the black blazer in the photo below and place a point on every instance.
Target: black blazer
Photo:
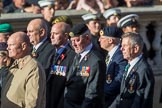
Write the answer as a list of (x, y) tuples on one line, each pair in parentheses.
[(137, 89), (85, 83), (56, 83), (114, 74), (43, 55)]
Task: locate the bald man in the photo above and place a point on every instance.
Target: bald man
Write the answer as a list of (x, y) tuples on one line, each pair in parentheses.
[(60, 63), (26, 84), (42, 48)]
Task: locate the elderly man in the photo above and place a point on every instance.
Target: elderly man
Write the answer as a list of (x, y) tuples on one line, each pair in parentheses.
[(60, 64), (85, 79), (137, 85), (25, 86), (42, 48), (110, 41)]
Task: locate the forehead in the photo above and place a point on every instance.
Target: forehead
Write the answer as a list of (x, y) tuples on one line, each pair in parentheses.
[(48, 7), (104, 37), (75, 38), (11, 39), (125, 40), (93, 21), (113, 16)]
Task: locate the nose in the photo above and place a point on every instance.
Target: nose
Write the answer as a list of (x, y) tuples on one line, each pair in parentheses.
[(121, 48), (28, 34), (52, 36), (8, 47)]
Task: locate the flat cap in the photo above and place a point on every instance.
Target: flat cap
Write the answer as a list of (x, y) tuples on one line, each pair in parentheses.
[(3, 46), (111, 31), (90, 16), (110, 12), (63, 18), (44, 3), (128, 20), (78, 30), (5, 28)]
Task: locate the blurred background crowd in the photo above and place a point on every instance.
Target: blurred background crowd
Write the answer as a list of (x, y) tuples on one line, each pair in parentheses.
[(94, 6)]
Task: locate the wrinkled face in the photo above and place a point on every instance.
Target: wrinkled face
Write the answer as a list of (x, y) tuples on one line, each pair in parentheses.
[(14, 48), (34, 34), (57, 37), (127, 49), (94, 26), (48, 13), (113, 20), (78, 44), (134, 29), (104, 42)]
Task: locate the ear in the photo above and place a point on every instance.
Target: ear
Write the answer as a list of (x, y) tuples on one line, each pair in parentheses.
[(136, 49), (42, 31), (67, 35), (110, 40), (23, 46)]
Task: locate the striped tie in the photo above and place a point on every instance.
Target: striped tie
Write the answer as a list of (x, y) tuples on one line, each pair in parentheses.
[(107, 59)]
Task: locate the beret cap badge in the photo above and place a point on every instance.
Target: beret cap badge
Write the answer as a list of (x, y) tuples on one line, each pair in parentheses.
[(101, 32), (71, 34)]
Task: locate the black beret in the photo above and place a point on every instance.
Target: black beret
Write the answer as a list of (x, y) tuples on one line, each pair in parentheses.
[(78, 30), (111, 31), (3, 46)]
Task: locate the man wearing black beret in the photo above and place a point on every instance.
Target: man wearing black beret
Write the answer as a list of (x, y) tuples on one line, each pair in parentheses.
[(110, 41), (85, 79)]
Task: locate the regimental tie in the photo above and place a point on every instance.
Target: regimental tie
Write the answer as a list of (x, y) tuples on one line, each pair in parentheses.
[(76, 61), (126, 69), (107, 59), (34, 52)]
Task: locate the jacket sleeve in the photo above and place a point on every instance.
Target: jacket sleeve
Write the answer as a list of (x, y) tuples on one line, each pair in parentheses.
[(35, 89)]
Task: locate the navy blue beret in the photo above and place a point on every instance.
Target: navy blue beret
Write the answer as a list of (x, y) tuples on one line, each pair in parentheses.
[(111, 32), (3, 46), (78, 30)]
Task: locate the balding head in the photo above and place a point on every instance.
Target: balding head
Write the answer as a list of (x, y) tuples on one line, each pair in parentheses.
[(59, 34), (18, 45), (37, 31)]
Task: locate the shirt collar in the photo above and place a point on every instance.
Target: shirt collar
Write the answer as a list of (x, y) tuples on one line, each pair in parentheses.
[(39, 44), (133, 62), (86, 51), (111, 53)]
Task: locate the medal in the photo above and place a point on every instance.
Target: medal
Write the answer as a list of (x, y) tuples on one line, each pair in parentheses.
[(109, 80)]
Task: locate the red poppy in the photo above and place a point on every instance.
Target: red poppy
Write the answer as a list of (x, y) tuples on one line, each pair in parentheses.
[(62, 56)]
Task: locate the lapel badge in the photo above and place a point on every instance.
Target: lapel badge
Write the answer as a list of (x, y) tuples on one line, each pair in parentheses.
[(85, 70), (108, 79), (131, 89), (131, 83)]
